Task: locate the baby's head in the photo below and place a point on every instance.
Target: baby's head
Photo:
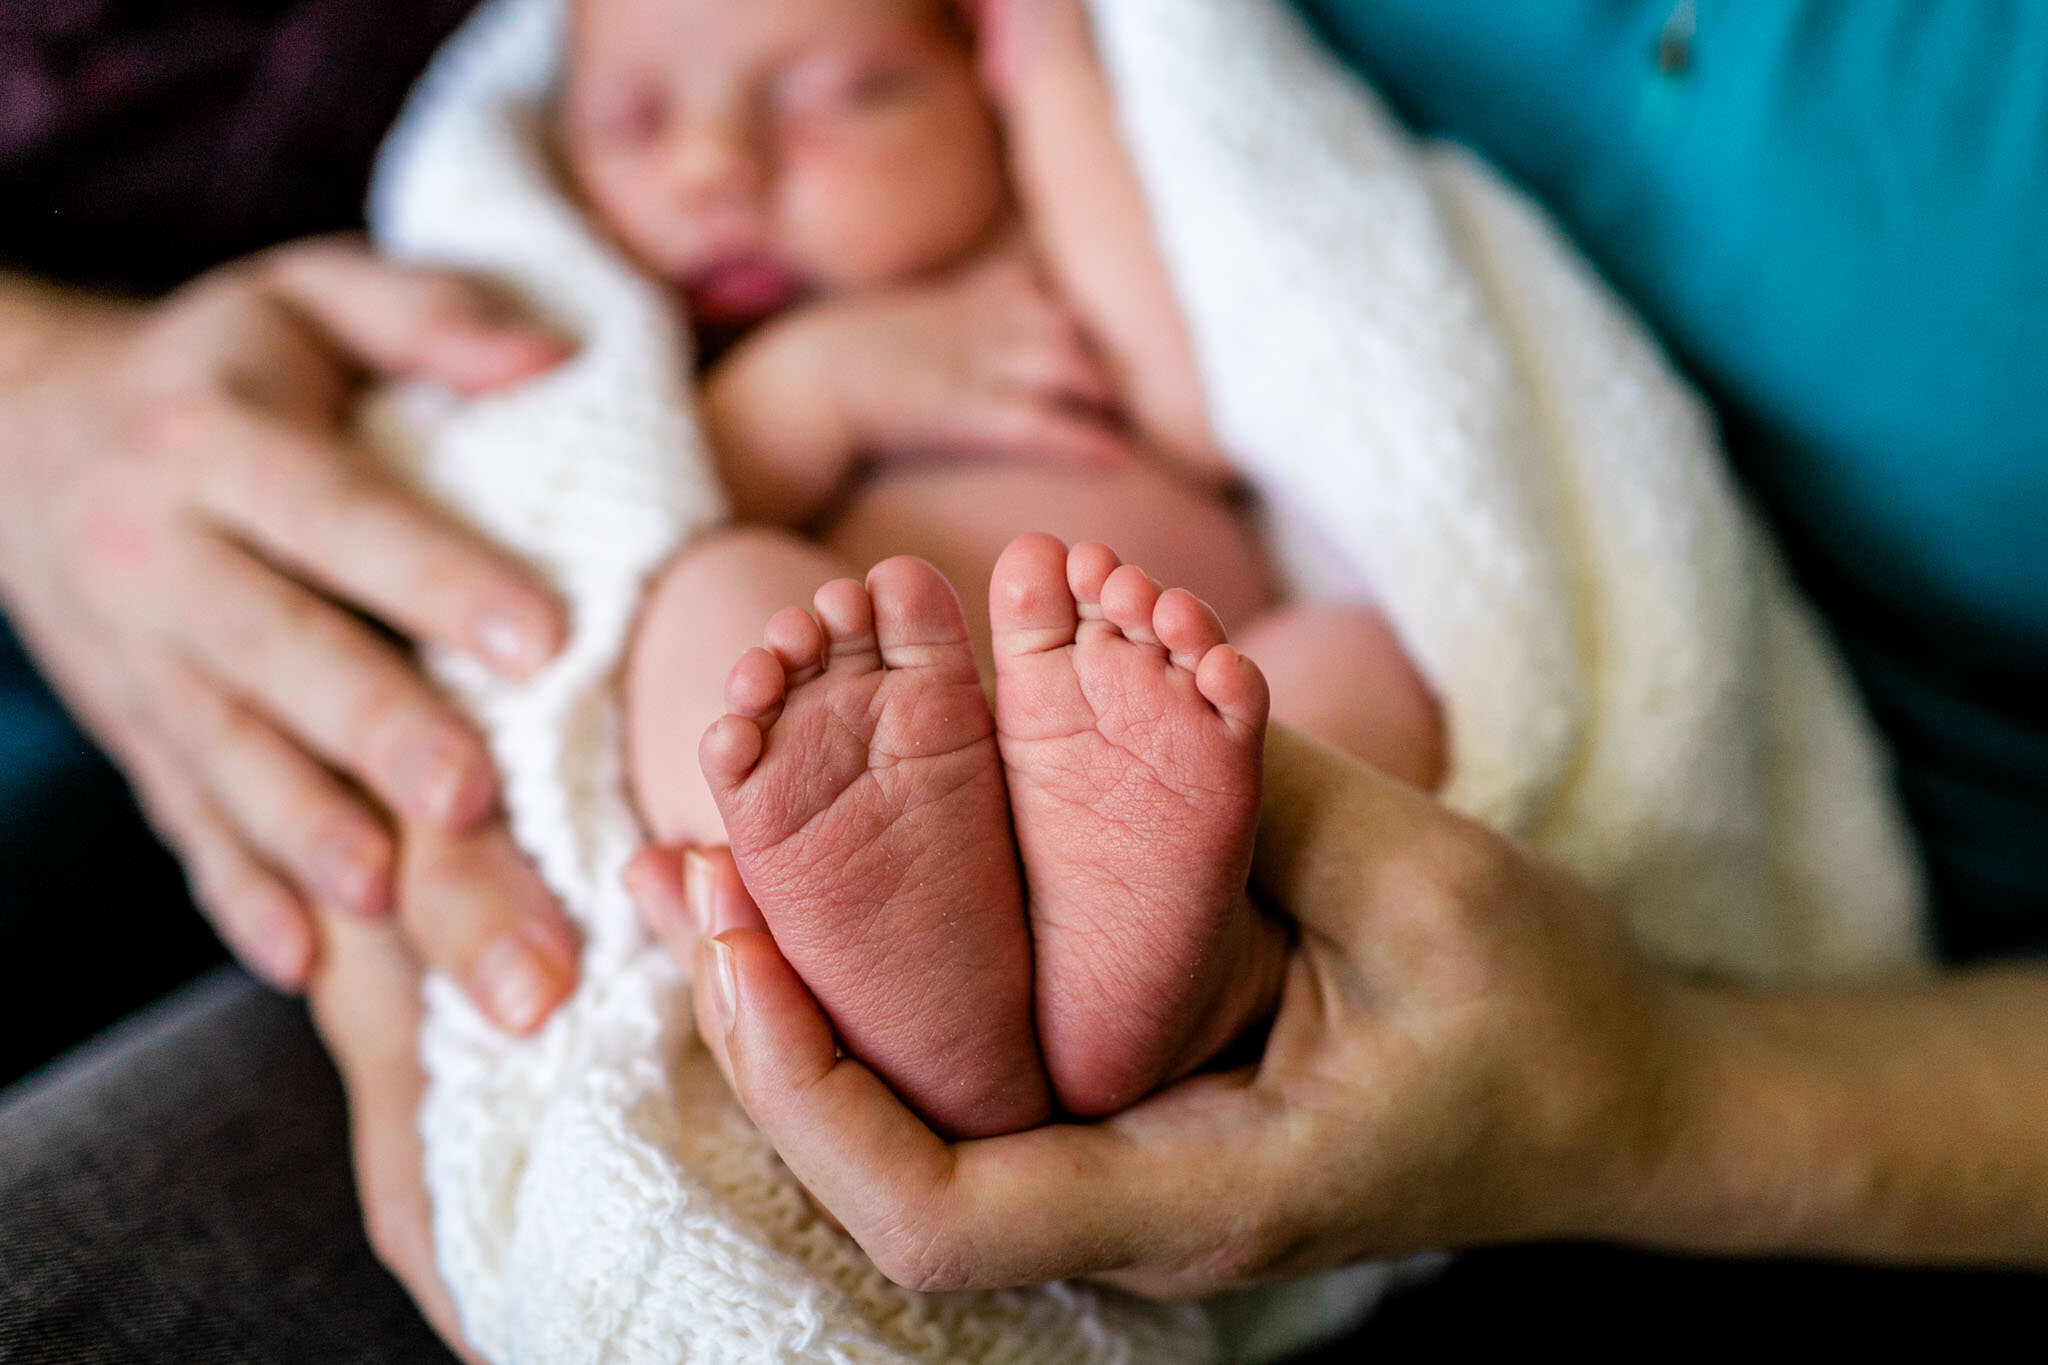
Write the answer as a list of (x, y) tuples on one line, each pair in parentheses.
[(757, 151)]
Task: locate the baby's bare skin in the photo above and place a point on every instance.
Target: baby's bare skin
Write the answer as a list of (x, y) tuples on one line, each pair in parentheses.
[(932, 395), (857, 775)]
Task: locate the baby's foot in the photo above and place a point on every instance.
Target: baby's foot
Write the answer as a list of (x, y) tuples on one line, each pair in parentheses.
[(858, 779), (1131, 738)]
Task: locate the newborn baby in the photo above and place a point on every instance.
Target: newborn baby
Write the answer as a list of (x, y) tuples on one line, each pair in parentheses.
[(1003, 910)]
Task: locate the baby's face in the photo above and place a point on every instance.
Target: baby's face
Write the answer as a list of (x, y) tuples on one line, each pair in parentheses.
[(757, 151)]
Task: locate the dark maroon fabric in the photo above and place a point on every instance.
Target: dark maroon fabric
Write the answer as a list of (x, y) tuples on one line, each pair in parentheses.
[(142, 141)]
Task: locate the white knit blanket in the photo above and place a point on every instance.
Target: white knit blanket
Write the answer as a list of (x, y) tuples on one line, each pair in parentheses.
[(1440, 404)]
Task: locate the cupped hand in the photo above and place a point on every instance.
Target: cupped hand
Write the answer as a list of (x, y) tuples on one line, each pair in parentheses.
[(1466, 1051), (213, 576)]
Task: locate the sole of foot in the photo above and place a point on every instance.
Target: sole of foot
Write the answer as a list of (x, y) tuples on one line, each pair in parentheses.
[(1132, 736), (858, 777)]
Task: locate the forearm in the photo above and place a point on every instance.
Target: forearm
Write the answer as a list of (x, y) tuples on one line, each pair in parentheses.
[(1905, 1123), (1088, 218), (783, 442)]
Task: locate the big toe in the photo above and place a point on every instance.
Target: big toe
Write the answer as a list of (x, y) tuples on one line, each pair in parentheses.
[(1030, 607), (918, 621)]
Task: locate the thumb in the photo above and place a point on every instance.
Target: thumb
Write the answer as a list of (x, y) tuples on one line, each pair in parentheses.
[(410, 322), (1333, 833)]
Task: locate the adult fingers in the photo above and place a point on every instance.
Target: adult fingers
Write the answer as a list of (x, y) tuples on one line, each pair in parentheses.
[(263, 924), (1046, 1204), (475, 909), (366, 1002), (685, 894), (329, 681), (313, 503), (300, 818), (417, 323)]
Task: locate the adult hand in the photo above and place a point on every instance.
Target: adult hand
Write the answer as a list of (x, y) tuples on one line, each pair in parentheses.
[(1466, 1051), (365, 996), (191, 549)]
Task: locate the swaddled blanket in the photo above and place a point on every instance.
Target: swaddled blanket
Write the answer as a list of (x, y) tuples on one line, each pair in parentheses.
[(1440, 406)]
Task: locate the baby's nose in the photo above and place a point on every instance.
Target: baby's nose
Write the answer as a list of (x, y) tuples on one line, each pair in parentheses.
[(717, 166)]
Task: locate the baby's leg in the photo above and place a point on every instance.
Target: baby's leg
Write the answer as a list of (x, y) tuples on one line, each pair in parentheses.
[(961, 516), (1131, 738), (858, 779), (1339, 674), (702, 612)]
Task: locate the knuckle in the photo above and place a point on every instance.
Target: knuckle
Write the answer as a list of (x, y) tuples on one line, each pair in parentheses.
[(112, 540), (1459, 869), (385, 711), (169, 426), (924, 1259)]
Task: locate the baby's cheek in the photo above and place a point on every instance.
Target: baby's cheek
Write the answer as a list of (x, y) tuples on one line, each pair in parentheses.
[(880, 214), (629, 205)]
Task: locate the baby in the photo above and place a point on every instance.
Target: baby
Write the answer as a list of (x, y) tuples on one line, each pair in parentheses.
[(1004, 911)]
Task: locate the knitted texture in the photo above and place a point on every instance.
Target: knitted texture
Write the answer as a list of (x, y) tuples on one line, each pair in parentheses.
[(1439, 403)]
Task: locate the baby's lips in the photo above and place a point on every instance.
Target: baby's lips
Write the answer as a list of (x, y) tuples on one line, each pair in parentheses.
[(741, 289)]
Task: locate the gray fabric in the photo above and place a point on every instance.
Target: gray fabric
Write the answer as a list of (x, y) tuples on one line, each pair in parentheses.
[(179, 1191)]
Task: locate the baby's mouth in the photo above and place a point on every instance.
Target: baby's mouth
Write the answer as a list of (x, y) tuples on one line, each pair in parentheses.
[(741, 289)]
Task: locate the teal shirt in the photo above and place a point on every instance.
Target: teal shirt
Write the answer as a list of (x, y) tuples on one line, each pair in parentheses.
[(1836, 216)]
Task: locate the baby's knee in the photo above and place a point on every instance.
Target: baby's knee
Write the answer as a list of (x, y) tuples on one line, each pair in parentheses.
[(1339, 673)]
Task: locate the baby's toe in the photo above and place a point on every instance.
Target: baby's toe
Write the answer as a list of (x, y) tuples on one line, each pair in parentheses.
[(918, 621), (1089, 566), (794, 637), (1030, 607), (848, 620), (756, 686), (1186, 626), (1128, 598), (1233, 684), (728, 752)]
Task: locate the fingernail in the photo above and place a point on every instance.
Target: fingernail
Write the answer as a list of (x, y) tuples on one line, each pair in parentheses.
[(352, 871), (432, 779), (283, 953), (724, 985), (697, 891), (516, 984), (510, 642)]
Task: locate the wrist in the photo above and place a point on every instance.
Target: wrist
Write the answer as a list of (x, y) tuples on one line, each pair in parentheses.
[(1750, 1141)]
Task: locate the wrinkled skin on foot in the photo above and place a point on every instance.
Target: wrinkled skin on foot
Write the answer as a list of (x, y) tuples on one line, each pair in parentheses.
[(859, 781), (1131, 736)]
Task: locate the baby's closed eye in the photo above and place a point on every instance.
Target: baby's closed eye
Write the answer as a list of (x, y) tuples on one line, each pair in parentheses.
[(624, 116)]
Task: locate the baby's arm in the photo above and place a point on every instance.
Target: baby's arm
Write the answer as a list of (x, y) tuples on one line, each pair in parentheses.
[(986, 363), (1087, 216), (778, 426)]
